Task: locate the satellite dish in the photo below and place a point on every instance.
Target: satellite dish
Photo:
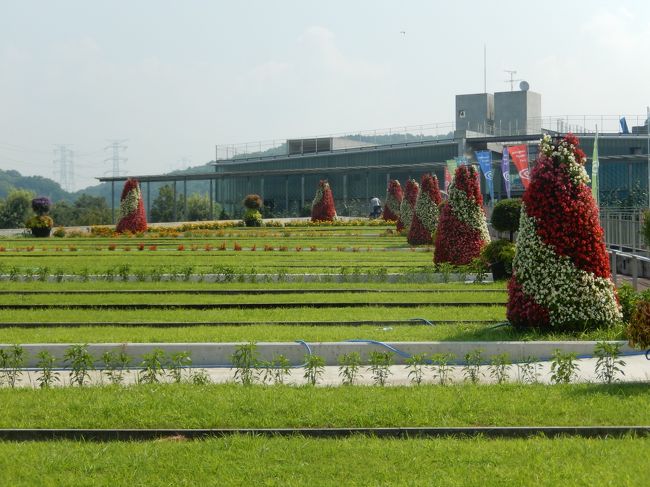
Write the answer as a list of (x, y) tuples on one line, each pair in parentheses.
[(524, 86)]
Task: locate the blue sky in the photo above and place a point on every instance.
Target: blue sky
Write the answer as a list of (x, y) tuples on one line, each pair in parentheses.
[(175, 78)]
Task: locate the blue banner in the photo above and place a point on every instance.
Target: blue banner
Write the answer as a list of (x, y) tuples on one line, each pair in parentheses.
[(484, 158), (505, 169)]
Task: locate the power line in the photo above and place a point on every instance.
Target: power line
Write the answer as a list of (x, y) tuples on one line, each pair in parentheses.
[(116, 145), (64, 169)]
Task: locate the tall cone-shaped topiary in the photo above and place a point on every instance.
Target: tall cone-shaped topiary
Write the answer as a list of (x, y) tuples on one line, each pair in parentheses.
[(322, 208), (561, 275), (132, 215), (462, 229), (394, 197), (407, 207), (425, 219)]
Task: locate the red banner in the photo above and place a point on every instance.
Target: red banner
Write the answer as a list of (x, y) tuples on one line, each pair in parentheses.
[(519, 156), (447, 180)]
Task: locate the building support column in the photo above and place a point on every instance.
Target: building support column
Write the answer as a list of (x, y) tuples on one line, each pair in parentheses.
[(210, 198), (367, 185), (286, 194), (174, 205), (184, 199), (302, 192), (148, 200)]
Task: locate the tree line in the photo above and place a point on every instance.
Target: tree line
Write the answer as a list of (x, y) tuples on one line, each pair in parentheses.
[(88, 210)]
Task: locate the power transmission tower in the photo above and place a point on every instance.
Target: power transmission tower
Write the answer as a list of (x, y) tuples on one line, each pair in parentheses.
[(116, 145), (64, 170)]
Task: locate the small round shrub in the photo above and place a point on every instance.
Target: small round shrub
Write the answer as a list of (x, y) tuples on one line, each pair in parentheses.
[(253, 202), (505, 216), (41, 205), (627, 298), (499, 253), (59, 232), (252, 218), (638, 331)]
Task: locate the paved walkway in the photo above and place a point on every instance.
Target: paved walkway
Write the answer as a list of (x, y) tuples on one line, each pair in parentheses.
[(637, 369)]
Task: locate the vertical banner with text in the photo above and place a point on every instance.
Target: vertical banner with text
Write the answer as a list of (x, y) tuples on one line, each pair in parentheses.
[(484, 158), (450, 170), (519, 156), (505, 170)]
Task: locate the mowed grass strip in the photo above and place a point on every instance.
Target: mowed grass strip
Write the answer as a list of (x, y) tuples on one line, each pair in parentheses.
[(236, 406), (359, 461), (290, 333), (261, 287), (308, 298)]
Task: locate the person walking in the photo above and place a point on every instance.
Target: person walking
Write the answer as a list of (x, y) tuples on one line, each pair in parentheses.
[(375, 207)]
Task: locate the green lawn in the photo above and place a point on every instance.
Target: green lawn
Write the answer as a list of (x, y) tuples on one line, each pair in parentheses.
[(231, 406), (243, 460)]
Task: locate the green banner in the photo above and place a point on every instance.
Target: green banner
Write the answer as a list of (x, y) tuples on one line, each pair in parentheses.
[(451, 167)]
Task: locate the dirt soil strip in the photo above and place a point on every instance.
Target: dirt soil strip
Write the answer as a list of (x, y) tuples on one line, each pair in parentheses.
[(143, 306), (181, 324), (245, 291), (404, 433)]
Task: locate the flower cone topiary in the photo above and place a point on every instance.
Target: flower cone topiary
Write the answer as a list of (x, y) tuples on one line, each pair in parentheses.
[(394, 197), (407, 207), (561, 275), (322, 208), (462, 230), (132, 214), (425, 219)]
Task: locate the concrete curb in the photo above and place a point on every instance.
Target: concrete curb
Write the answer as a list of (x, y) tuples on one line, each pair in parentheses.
[(219, 354)]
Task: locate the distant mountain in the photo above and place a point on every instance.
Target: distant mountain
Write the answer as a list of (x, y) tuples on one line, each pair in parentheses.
[(39, 185)]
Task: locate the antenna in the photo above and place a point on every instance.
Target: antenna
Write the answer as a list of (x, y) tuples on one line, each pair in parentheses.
[(484, 68), (512, 79)]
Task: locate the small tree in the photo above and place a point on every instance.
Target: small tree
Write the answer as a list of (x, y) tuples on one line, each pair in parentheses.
[(394, 197), (132, 215), (425, 218), (505, 216), (15, 209), (407, 207), (322, 208), (253, 217), (462, 230)]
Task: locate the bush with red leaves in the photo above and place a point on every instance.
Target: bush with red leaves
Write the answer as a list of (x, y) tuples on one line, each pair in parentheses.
[(322, 208), (132, 215), (462, 230)]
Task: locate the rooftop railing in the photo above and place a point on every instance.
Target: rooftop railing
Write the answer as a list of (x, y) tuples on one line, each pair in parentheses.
[(578, 124)]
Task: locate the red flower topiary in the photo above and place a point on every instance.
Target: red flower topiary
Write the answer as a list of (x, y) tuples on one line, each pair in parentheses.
[(425, 218), (462, 231), (394, 197), (132, 215), (322, 208), (407, 207), (561, 274)]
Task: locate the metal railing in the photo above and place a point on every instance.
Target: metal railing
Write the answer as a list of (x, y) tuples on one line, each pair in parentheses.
[(579, 124), (636, 261)]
